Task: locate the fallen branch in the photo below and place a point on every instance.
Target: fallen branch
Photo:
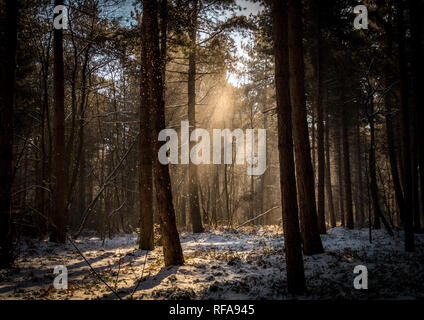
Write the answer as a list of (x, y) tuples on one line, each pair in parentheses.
[(142, 273), (49, 222), (94, 271), (257, 217)]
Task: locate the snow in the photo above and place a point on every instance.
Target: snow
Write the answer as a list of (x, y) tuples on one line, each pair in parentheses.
[(221, 264)]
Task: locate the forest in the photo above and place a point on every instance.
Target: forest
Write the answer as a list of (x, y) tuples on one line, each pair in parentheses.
[(211, 149)]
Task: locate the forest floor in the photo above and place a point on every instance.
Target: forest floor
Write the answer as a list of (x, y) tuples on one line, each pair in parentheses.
[(220, 264)]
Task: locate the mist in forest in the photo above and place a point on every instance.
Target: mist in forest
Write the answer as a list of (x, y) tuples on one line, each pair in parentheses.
[(211, 149)]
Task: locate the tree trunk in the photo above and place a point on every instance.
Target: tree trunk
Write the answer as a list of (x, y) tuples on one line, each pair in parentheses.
[(417, 85), (390, 137), (6, 134), (320, 131), (346, 163), (196, 219), (359, 208), (58, 231), (304, 173), (328, 168), (373, 174), (292, 240), (173, 254), (340, 174), (405, 134), (146, 166), (378, 214)]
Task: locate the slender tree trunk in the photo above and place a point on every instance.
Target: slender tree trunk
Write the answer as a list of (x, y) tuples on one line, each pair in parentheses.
[(8, 68), (173, 254), (378, 214), (196, 219), (183, 221), (264, 182), (418, 113), (405, 133), (328, 187), (146, 165), (346, 164), (340, 174), (390, 137), (320, 132), (304, 173), (252, 186), (313, 141), (292, 240), (215, 197), (227, 196), (415, 7), (58, 231), (359, 183), (373, 175)]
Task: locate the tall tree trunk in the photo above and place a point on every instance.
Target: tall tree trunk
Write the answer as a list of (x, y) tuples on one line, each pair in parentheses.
[(320, 130), (172, 251), (58, 231), (378, 214), (252, 186), (265, 196), (313, 141), (359, 208), (415, 7), (196, 219), (405, 133), (372, 171), (339, 149), (146, 165), (183, 206), (390, 137), (292, 240), (328, 168), (393, 160), (8, 69), (346, 163), (305, 182), (227, 196)]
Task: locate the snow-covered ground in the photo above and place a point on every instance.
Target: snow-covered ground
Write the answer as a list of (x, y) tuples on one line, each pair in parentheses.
[(221, 264)]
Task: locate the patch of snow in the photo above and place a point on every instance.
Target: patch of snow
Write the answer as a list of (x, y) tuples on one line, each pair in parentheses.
[(220, 264)]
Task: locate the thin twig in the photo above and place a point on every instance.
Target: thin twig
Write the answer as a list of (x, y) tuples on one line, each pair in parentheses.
[(262, 214)]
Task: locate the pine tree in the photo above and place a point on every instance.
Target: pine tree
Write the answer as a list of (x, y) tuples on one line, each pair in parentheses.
[(58, 231), (292, 240), (6, 134), (304, 174)]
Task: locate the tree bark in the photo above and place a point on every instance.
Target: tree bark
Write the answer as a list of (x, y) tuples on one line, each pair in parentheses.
[(328, 187), (8, 70), (405, 133), (346, 163), (58, 231), (340, 174), (359, 206), (173, 254), (378, 214), (292, 239), (305, 182), (146, 165), (196, 219), (415, 7), (320, 132)]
